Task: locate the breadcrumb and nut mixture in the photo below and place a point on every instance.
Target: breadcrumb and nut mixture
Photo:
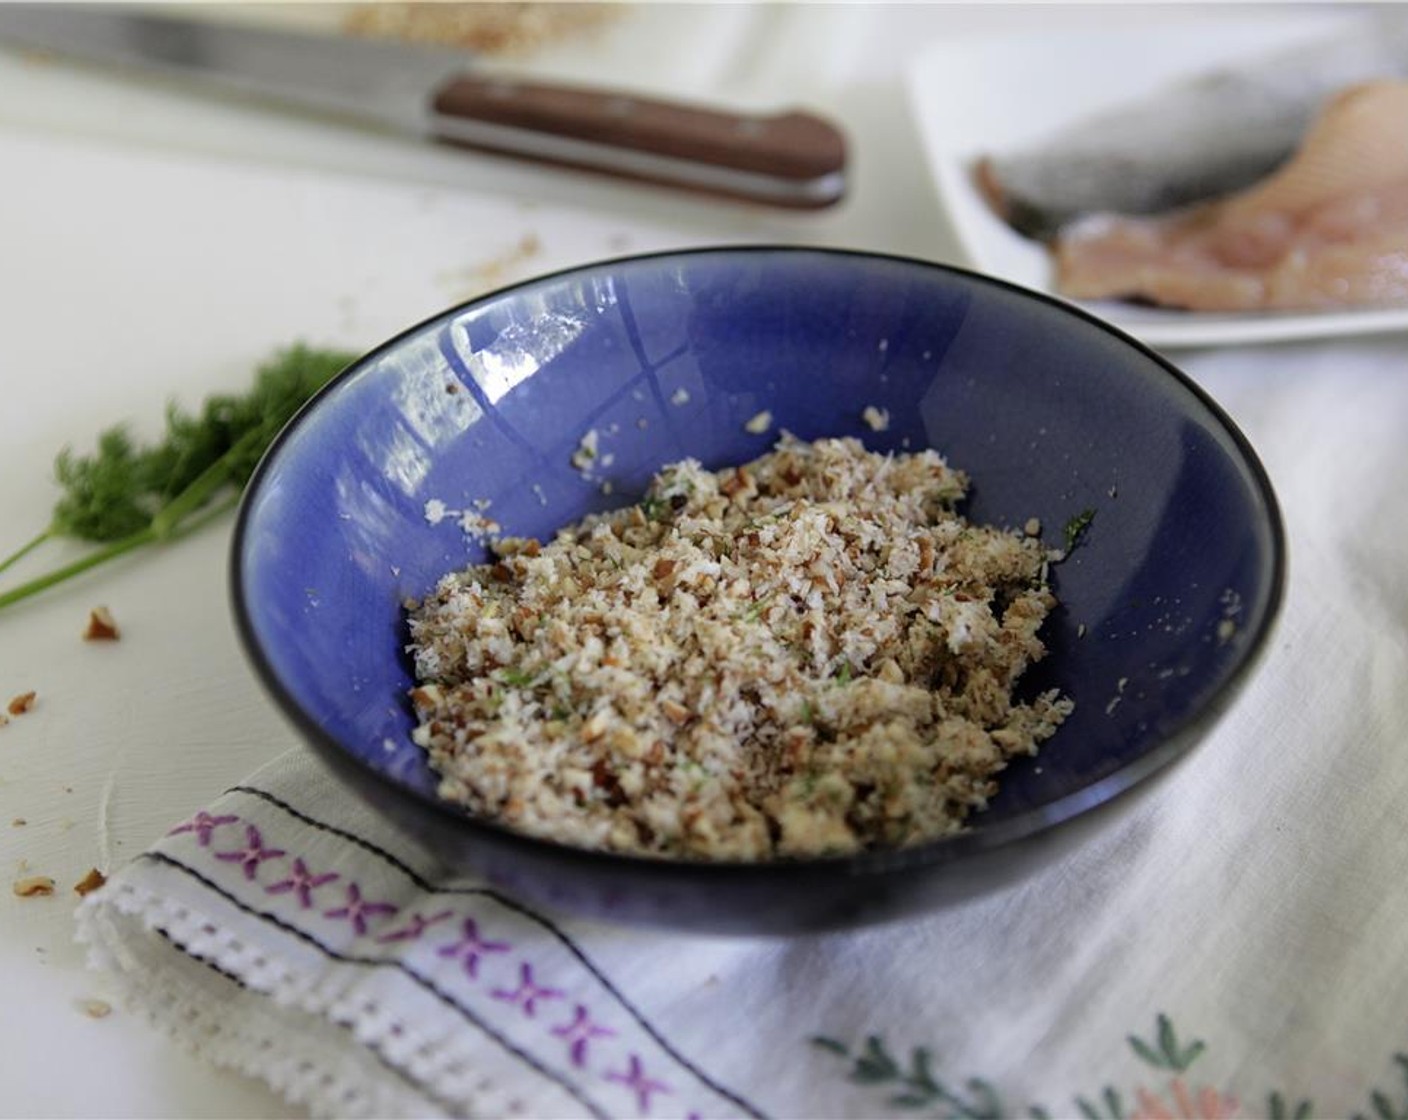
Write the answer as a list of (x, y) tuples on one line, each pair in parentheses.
[(813, 653)]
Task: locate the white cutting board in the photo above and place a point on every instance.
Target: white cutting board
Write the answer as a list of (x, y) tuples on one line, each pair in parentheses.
[(132, 272), (156, 245)]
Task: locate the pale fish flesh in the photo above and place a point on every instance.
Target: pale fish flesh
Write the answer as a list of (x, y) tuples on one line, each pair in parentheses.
[(1193, 140), (1328, 229)]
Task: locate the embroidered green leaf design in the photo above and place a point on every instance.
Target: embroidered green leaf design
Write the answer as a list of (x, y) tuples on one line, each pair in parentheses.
[(1384, 1108), (1278, 1108), (987, 1106), (920, 1075), (916, 1086), (1146, 1052), (1113, 1106), (1168, 1054), (874, 1063)]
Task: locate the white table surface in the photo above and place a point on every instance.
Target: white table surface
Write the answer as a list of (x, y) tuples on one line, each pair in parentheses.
[(154, 244)]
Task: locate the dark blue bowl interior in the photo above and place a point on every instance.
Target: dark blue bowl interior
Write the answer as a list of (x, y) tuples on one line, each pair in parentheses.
[(1051, 413)]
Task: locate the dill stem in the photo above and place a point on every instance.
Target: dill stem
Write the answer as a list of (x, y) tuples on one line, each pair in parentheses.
[(204, 486), (149, 535), (25, 549), (68, 571)]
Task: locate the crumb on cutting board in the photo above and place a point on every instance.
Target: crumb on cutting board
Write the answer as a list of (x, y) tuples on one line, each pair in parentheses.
[(102, 627), (90, 882), (34, 886), (22, 703)]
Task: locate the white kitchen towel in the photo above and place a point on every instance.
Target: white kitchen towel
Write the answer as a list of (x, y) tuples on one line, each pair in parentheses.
[(1233, 943)]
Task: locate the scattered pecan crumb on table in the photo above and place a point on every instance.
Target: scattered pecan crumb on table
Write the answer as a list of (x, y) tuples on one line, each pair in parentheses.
[(90, 882), (102, 627), (22, 703), (34, 886)]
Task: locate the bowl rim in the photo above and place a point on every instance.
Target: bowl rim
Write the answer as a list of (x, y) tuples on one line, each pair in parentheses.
[(979, 836)]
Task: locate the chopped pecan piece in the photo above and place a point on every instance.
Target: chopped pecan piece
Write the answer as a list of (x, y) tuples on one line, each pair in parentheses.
[(34, 886), (101, 626)]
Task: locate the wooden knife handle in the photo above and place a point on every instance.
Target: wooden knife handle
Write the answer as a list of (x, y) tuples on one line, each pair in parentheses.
[(790, 159)]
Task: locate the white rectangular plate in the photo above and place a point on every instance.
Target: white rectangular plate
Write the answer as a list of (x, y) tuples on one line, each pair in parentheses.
[(980, 95)]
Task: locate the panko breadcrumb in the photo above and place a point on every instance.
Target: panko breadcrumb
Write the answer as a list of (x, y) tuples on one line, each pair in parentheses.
[(812, 653), (500, 28)]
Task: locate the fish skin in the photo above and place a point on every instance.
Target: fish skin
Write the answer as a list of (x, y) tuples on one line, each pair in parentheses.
[(1329, 229), (1193, 140)]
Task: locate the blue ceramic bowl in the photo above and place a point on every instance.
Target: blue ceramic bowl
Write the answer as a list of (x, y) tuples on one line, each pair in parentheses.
[(1165, 602)]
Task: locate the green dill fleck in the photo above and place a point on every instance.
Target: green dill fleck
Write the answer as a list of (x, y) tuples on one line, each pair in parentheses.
[(843, 674), (1076, 528), (561, 711), (518, 678), (755, 612), (808, 712)]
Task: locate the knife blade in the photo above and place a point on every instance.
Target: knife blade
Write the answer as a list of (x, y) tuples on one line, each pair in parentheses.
[(794, 158)]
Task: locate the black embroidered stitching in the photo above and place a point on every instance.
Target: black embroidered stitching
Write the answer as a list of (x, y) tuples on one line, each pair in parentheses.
[(430, 986), (488, 892)]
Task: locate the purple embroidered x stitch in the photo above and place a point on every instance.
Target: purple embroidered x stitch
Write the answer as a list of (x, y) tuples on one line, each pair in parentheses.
[(203, 824), (528, 992), (635, 1079), (303, 882), (470, 946), (357, 909), (252, 854), (579, 1032), (415, 928)]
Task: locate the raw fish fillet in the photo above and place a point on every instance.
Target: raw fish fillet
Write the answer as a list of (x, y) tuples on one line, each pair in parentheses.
[(1329, 229), (1193, 140)]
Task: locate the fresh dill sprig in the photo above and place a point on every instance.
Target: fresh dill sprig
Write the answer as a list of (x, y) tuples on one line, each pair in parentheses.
[(122, 496)]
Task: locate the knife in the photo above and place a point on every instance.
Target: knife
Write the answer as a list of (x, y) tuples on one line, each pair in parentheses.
[(793, 159)]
